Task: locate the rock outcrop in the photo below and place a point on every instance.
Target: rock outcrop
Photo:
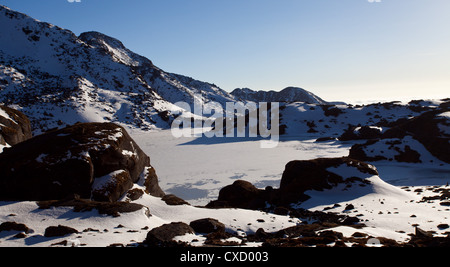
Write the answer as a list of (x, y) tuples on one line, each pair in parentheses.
[(163, 236), (241, 194), (97, 161), (302, 176), (15, 127), (431, 130), (289, 94), (360, 133)]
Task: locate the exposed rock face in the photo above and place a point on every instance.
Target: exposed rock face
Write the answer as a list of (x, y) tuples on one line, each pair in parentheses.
[(15, 127), (289, 94), (98, 161), (358, 133), (301, 176), (207, 225), (431, 129), (241, 194), (163, 236)]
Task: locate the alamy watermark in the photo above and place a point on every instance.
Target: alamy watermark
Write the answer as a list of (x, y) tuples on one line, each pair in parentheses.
[(237, 119)]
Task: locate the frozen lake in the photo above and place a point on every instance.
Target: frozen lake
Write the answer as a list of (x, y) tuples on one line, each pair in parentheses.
[(195, 169)]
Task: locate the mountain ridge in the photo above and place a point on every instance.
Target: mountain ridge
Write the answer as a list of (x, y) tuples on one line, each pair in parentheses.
[(288, 94), (57, 79)]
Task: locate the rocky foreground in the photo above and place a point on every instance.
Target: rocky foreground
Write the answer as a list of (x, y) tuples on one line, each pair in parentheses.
[(61, 187)]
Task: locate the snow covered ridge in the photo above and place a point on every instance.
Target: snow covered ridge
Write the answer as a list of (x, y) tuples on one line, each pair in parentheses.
[(95, 78), (90, 78), (289, 94)]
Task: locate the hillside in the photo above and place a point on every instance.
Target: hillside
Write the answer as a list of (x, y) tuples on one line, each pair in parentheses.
[(57, 78), (289, 95)]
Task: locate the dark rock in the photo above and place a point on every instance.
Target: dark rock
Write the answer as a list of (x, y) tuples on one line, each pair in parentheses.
[(106, 208), (281, 211), (20, 235), (173, 200), (135, 194), (151, 183), (422, 233), (301, 176), (111, 187), (409, 155), (330, 110), (360, 133), (426, 239), (350, 221), (325, 139), (163, 236), (207, 226), (358, 151), (90, 159), (16, 130), (241, 194), (13, 226), (350, 207), (425, 129), (218, 238), (58, 231)]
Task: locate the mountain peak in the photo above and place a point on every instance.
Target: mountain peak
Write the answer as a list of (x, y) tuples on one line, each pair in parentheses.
[(94, 38), (115, 48), (288, 94)]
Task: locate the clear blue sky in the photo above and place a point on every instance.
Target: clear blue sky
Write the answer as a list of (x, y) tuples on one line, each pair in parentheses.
[(338, 49)]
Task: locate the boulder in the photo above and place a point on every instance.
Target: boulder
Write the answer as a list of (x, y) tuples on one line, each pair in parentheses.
[(361, 133), (15, 127), (151, 182), (13, 226), (58, 231), (162, 236), (358, 151), (173, 200), (207, 226), (409, 155), (97, 161), (301, 176), (241, 194)]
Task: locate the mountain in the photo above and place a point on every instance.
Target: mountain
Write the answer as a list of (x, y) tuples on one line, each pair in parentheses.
[(57, 78), (289, 95)]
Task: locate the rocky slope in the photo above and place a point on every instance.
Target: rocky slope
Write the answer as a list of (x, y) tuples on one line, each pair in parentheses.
[(97, 161), (289, 95), (15, 127), (57, 78)]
